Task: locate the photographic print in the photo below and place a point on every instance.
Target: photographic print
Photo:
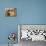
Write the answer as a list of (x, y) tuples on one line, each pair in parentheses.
[(33, 32), (10, 11)]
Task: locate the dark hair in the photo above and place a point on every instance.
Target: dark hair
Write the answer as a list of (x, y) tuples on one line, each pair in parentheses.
[(8, 14)]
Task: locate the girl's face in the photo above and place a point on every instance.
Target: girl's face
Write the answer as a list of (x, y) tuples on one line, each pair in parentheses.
[(12, 12)]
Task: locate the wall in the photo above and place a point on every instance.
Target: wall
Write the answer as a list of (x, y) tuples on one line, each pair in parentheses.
[(28, 12)]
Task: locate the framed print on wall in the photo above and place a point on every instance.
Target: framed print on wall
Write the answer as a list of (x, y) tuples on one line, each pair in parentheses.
[(32, 32), (10, 11)]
